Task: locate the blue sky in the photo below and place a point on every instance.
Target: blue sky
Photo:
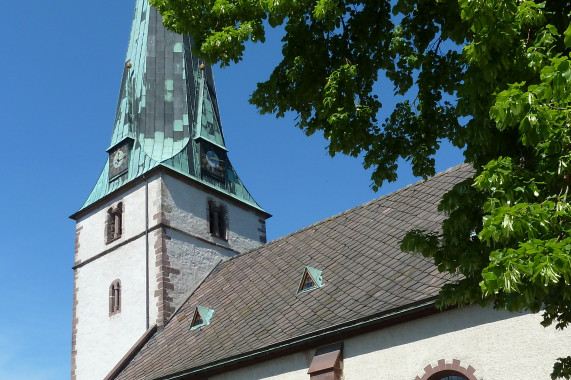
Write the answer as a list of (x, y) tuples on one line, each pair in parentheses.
[(60, 71)]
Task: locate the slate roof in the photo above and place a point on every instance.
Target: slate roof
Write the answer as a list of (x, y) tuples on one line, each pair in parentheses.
[(254, 295)]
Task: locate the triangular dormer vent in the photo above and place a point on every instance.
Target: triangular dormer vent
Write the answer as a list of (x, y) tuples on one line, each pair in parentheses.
[(310, 279), (201, 317)]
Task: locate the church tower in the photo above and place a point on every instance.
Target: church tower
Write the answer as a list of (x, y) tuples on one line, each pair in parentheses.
[(167, 207)]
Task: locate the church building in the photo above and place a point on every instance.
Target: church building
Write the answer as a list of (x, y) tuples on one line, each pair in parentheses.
[(174, 279)]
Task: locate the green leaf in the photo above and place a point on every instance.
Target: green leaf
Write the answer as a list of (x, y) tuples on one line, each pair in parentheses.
[(492, 77), (567, 38)]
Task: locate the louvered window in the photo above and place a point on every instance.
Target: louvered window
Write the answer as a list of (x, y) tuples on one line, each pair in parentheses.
[(114, 224), (217, 220)]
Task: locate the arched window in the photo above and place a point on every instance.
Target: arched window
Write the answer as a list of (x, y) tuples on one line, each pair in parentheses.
[(115, 297), (114, 225), (450, 371), (217, 220), (443, 376)]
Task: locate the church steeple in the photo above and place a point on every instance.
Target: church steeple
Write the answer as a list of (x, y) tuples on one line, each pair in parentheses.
[(167, 114), (167, 207)]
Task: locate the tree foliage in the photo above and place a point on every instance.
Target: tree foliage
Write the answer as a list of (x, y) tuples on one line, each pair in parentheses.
[(492, 76)]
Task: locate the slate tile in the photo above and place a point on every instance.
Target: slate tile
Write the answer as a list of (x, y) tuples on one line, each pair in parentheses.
[(364, 271)]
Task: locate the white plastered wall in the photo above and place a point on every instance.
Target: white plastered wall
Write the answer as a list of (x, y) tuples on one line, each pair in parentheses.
[(499, 345), (102, 340), (92, 236), (290, 367)]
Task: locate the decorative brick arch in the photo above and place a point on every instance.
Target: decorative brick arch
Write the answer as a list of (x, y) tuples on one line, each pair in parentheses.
[(444, 369)]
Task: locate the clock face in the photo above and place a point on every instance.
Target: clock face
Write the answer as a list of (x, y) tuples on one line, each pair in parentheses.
[(118, 161), (212, 159), (212, 162)]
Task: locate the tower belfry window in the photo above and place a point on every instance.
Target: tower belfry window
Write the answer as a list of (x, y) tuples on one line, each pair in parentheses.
[(115, 297), (114, 225), (217, 220)]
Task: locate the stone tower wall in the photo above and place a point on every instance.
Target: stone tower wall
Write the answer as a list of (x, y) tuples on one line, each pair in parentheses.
[(181, 252), (188, 251)]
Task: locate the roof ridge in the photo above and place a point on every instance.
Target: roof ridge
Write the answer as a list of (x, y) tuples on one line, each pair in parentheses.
[(363, 205)]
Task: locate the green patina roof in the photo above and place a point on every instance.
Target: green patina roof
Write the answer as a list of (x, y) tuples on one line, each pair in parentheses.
[(315, 274), (205, 314), (167, 105)]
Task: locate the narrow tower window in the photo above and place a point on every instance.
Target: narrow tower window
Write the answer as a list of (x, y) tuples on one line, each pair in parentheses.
[(114, 226), (115, 297), (217, 219)]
